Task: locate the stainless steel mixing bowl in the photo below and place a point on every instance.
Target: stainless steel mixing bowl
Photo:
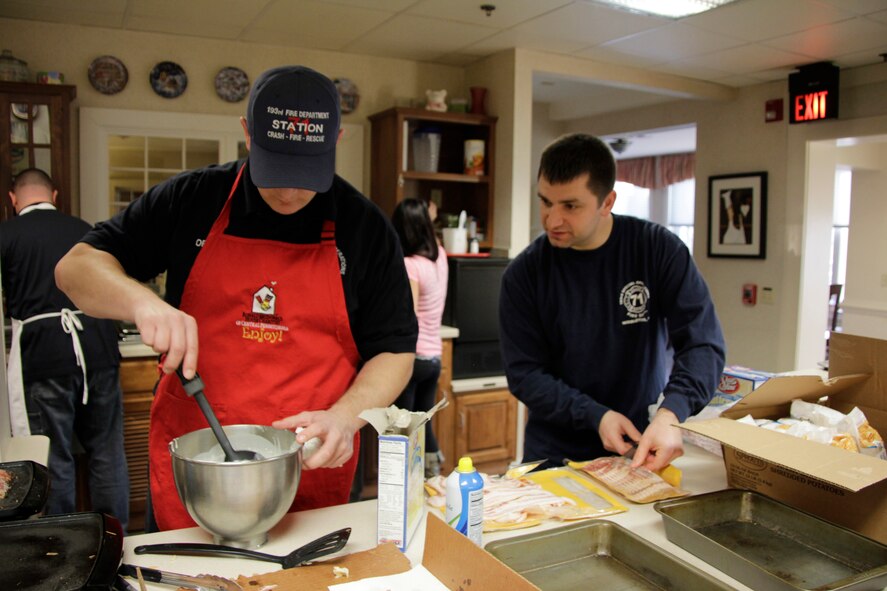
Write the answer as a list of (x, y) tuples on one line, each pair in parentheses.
[(237, 502)]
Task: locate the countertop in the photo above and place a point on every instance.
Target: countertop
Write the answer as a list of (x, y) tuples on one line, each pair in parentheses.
[(132, 350), (702, 472)]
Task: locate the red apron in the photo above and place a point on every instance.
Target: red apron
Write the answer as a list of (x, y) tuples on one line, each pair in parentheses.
[(274, 341)]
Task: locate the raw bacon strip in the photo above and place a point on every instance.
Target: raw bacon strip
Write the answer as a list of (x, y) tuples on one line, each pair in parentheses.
[(638, 485)]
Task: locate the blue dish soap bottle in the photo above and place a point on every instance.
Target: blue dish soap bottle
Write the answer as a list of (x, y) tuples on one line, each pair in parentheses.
[(465, 500)]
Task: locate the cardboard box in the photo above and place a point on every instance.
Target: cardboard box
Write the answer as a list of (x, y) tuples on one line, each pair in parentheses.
[(736, 383), (401, 484), (460, 565), (841, 486)]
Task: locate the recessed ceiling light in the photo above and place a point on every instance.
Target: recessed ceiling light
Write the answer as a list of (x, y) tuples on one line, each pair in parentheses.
[(667, 8)]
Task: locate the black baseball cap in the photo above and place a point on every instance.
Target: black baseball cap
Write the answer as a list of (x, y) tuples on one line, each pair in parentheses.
[(293, 121)]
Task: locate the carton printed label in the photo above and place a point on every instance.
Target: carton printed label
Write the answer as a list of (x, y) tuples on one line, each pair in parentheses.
[(749, 461)]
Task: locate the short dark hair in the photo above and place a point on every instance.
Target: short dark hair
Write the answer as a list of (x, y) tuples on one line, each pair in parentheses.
[(571, 156), (414, 228), (32, 176)]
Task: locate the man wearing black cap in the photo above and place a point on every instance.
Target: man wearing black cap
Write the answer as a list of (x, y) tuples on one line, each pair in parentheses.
[(294, 279)]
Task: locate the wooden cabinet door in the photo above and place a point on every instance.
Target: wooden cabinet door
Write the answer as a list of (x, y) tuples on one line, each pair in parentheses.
[(486, 429), (137, 379)]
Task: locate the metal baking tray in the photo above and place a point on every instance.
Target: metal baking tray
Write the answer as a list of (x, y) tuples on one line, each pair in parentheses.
[(770, 546), (598, 555)]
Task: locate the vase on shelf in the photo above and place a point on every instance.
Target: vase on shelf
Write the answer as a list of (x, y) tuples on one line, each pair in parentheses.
[(478, 96)]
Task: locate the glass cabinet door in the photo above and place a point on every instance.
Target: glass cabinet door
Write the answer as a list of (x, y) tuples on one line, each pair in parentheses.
[(35, 130)]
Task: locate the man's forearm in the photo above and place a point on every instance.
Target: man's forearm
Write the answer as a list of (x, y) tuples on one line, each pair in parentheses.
[(379, 382), (97, 284)]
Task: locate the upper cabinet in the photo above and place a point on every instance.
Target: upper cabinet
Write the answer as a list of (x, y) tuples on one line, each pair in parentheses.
[(420, 153), (35, 125)]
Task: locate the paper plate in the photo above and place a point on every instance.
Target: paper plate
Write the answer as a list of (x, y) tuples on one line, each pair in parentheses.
[(232, 84), (107, 74), (168, 79)]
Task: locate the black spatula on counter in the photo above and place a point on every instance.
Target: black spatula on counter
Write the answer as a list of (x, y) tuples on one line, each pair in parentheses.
[(322, 546)]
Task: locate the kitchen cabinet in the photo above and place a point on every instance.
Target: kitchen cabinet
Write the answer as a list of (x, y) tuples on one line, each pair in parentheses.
[(35, 127), (394, 174), (137, 379), (481, 424)]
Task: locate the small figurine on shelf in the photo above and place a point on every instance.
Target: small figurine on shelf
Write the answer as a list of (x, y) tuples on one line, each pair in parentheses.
[(436, 100)]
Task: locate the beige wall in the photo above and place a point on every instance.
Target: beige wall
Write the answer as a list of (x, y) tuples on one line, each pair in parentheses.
[(70, 49)]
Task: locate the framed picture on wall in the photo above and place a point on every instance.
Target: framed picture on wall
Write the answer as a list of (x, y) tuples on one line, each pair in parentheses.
[(737, 215)]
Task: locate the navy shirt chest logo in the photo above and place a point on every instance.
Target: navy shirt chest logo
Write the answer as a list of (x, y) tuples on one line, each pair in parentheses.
[(634, 297)]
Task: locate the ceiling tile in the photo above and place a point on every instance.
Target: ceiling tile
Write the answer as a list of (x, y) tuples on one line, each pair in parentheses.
[(318, 25), (203, 18), (100, 13), (676, 41), (589, 24), (859, 6), (391, 6), (880, 17), (748, 58), (849, 36), (859, 58), (756, 20), (507, 14), (530, 39), (609, 55), (691, 71), (417, 38)]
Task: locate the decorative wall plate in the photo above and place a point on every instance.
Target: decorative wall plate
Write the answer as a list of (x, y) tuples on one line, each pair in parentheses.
[(107, 74), (168, 79), (348, 95), (232, 84)]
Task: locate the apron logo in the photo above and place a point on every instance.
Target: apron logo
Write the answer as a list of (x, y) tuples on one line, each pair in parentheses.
[(264, 300), (261, 324), (634, 298)]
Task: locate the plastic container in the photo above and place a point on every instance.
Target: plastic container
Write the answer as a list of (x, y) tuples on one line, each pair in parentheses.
[(465, 501), (474, 157), (426, 150)]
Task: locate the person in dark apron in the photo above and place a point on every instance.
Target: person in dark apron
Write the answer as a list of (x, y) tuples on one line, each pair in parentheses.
[(294, 280), (63, 367)]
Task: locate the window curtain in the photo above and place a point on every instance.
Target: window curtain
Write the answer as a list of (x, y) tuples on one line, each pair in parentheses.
[(655, 172)]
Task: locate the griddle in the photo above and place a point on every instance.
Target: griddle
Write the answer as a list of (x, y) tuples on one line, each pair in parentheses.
[(72, 552), (28, 490)]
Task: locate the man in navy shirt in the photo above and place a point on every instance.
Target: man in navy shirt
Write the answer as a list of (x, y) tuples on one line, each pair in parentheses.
[(599, 316)]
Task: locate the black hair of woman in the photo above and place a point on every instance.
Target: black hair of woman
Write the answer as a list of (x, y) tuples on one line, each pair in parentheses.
[(414, 228)]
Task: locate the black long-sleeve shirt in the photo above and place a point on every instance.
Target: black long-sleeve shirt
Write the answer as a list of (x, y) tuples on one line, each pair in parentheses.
[(583, 332)]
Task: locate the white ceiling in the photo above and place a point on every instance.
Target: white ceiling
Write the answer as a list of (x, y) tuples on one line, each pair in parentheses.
[(744, 43)]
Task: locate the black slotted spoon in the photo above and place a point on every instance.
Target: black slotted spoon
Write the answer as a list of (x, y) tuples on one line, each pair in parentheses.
[(322, 546)]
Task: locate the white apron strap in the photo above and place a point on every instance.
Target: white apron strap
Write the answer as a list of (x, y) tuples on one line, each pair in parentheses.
[(18, 412), (71, 325)]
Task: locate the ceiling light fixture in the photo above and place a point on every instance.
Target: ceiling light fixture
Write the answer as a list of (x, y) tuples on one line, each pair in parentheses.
[(666, 8), (619, 145), (488, 8)]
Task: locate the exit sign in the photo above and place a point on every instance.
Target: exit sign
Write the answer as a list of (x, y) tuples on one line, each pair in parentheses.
[(813, 93)]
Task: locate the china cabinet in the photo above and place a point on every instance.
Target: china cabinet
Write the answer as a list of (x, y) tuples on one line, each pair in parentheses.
[(35, 124), (397, 173)]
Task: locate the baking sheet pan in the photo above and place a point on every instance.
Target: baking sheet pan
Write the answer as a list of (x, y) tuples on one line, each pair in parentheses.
[(771, 546), (598, 555), (61, 552)]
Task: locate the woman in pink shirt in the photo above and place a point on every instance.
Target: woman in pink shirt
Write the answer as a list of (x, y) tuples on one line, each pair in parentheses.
[(427, 269)]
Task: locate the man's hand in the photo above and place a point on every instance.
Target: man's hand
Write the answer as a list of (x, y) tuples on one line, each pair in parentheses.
[(661, 442), (614, 428), (335, 430), (168, 330)]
